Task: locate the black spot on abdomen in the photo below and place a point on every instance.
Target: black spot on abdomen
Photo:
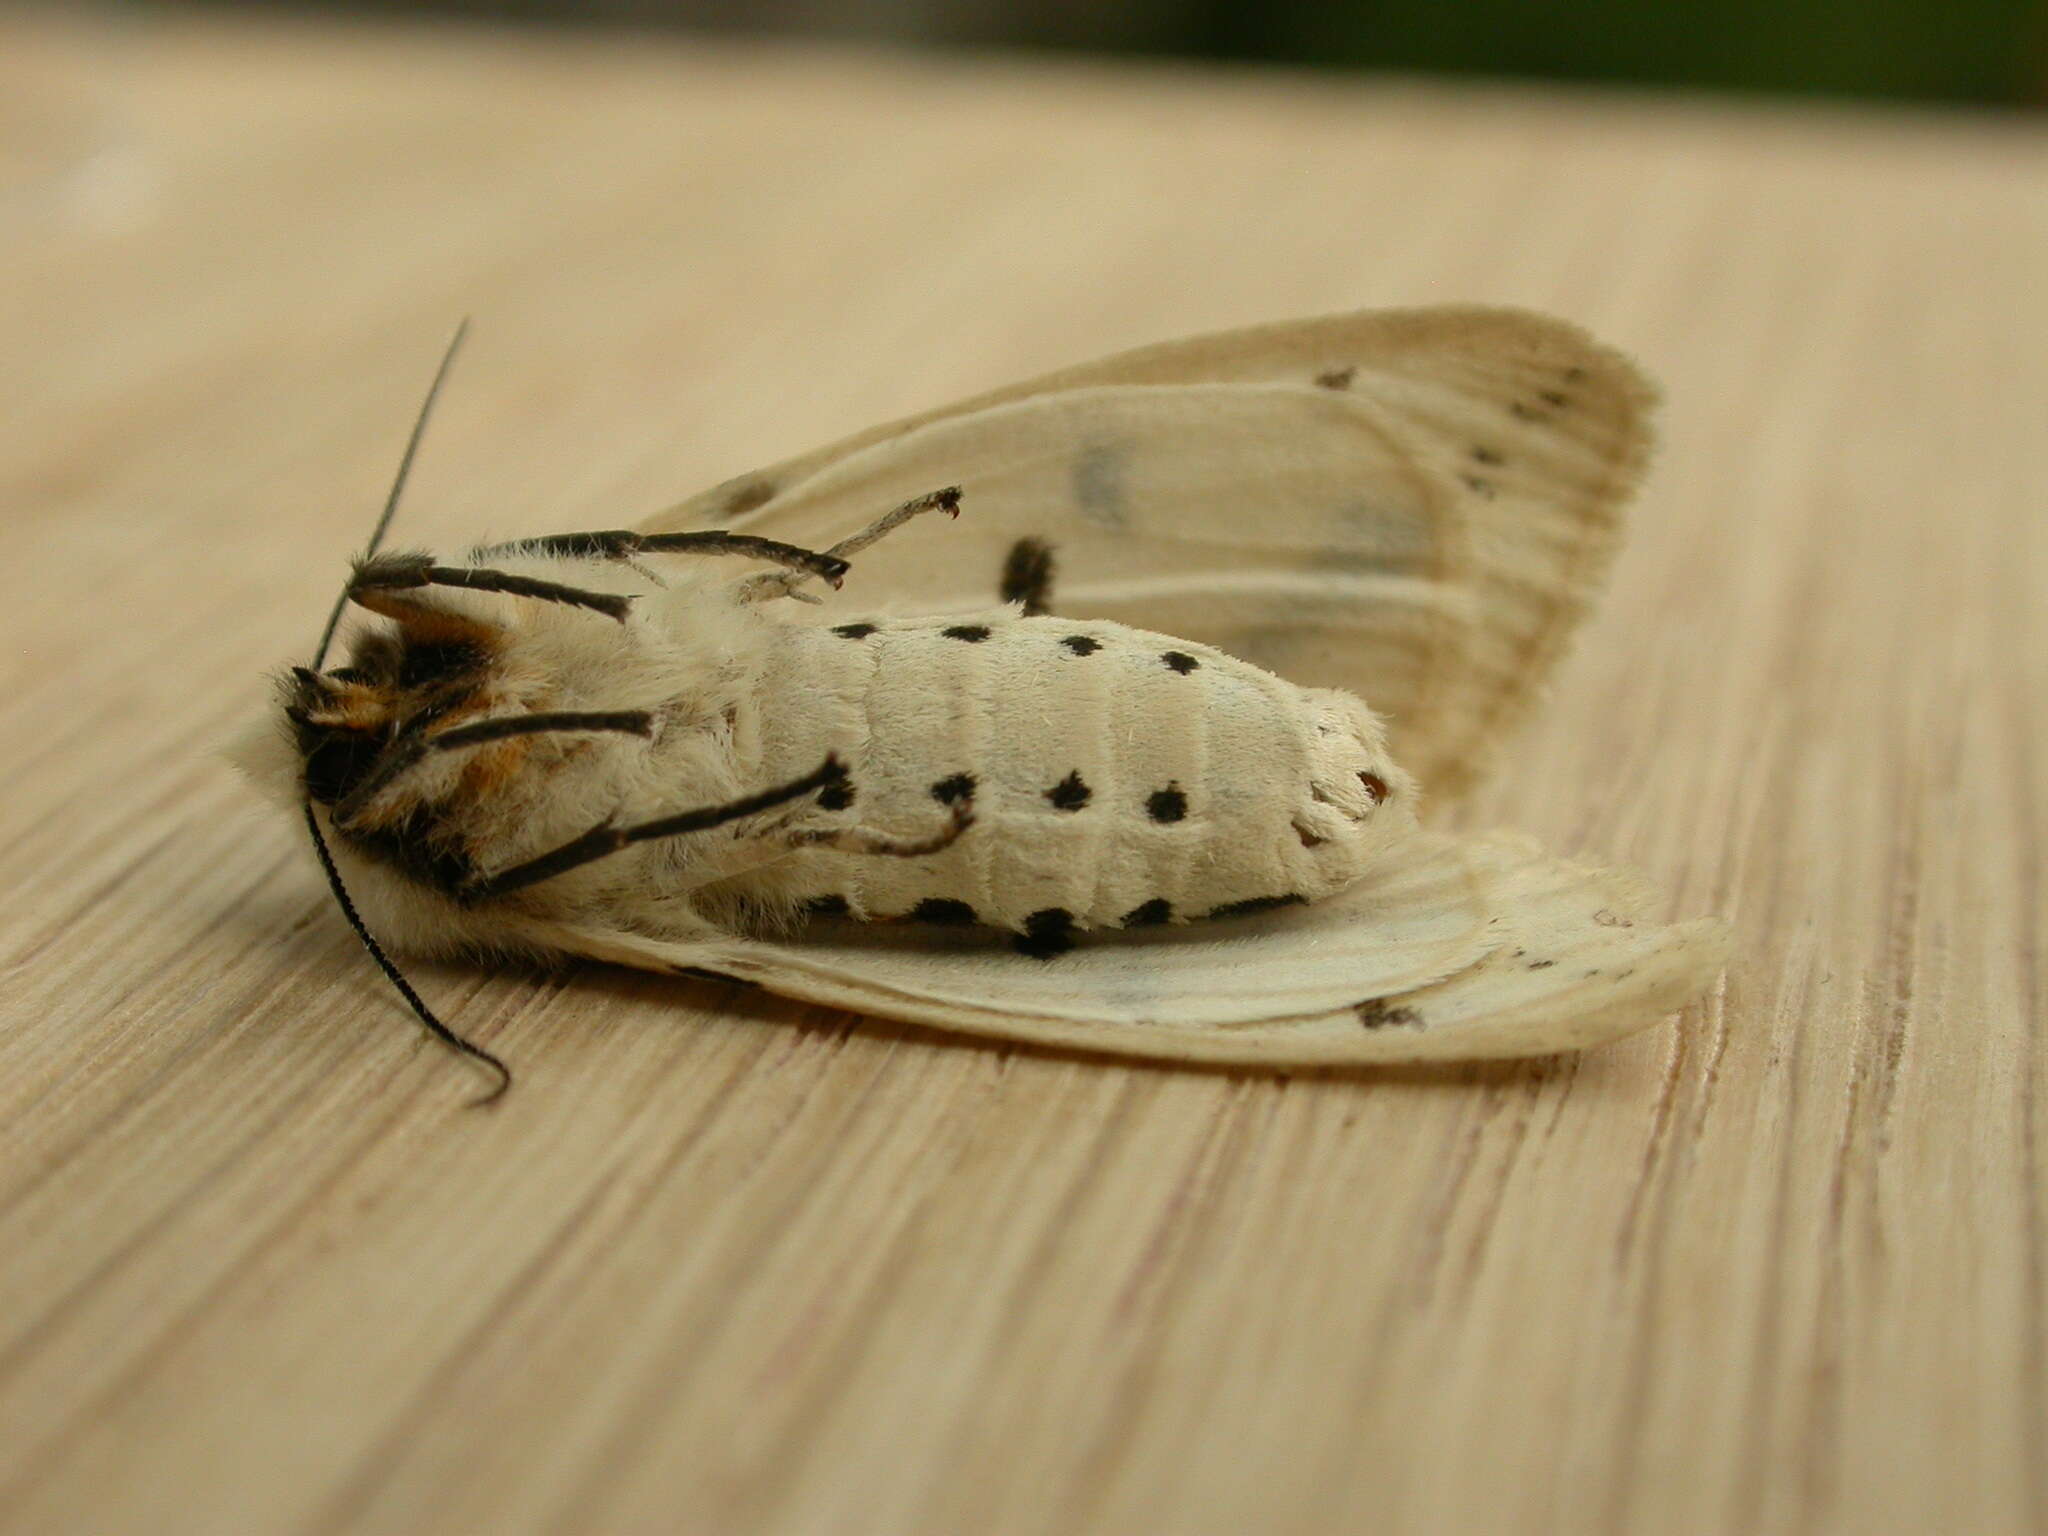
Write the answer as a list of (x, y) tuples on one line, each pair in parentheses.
[(944, 911), (1167, 804), (955, 789), (1180, 661), (1047, 932), (1071, 793), (853, 631)]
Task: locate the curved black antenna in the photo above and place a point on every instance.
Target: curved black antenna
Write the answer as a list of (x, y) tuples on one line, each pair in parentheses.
[(435, 1027), (412, 447)]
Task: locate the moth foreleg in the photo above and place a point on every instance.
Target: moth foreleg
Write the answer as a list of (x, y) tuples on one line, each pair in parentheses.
[(409, 751), (784, 583), (607, 838), (623, 544), (946, 500), (377, 580)]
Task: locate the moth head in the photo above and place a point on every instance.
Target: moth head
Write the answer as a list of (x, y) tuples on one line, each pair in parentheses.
[(323, 730), (339, 723)]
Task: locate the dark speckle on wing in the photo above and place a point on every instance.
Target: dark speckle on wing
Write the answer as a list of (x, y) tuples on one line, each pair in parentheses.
[(748, 494), (1098, 485)]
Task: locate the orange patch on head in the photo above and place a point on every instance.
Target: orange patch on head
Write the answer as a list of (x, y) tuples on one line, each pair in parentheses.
[(427, 622), (350, 706)]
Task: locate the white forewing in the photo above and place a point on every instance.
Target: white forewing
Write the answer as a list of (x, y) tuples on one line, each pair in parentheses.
[(1414, 506)]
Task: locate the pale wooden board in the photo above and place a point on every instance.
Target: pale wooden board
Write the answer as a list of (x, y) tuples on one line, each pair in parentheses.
[(724, 1265)]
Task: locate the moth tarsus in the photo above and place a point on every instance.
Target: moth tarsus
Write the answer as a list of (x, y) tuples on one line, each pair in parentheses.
[(946, 500), (788, 583), (492, 771), (868, 841)]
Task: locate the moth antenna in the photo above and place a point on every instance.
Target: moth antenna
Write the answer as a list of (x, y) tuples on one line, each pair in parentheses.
[(435, 1027), (412, 448)]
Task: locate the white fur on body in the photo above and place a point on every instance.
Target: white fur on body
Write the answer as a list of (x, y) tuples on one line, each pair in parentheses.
[(1413, 506), (1113, 769), (1271, 781)]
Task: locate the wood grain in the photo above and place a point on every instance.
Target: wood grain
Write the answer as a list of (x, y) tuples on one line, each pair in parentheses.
[(724, 1265)]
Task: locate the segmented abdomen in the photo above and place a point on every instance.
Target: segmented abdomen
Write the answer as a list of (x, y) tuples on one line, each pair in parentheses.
[(1118, 777)]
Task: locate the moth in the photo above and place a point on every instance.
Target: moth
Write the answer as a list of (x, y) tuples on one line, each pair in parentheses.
[(1093, 712)]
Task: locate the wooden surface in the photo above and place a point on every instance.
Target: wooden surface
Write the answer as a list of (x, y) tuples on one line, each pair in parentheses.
[(730, 1266)]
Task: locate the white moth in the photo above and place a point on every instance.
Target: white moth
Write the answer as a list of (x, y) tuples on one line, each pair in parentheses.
[(1164, 806)]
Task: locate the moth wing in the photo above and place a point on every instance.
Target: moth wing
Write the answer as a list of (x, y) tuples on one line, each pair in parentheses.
[(1582, 961), (1418, 961), (1416, 506)]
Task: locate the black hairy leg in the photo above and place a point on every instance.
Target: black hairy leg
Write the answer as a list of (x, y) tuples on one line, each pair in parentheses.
[(606, 838), (405, 573), (408, 751), (625, 544)]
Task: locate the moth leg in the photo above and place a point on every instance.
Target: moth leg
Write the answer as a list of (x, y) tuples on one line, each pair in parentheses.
[(605, 839), (378, 582), (883, 844), (775, 584), (1027, 577), (623, 544), (946, 500), (408, 752)]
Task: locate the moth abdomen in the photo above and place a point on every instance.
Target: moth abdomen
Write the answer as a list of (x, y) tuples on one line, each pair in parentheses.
[(1128, 774)]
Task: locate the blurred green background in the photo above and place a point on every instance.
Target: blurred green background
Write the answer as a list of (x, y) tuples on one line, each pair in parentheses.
[(1987, 52)]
